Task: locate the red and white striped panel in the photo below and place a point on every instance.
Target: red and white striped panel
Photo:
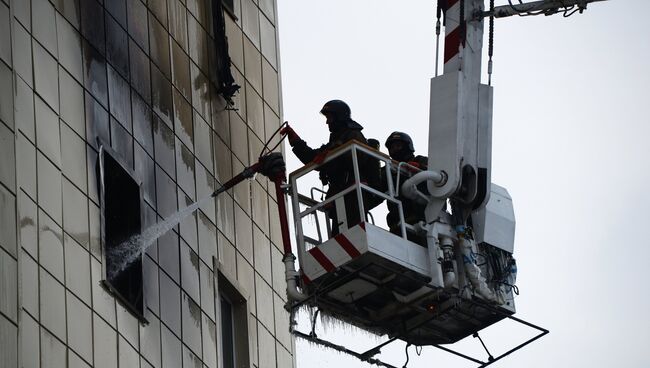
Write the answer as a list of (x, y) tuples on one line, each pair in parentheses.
[(334, 253), (454, 34)]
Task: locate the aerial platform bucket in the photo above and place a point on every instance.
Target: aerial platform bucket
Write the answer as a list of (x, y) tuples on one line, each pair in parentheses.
[(378, 281), (374, 279)]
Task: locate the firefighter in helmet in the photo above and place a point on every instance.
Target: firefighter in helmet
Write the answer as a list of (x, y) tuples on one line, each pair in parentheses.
[(338, 173), (400, 148)]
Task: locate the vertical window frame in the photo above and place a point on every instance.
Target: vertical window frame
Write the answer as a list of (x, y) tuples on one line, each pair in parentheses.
[(223, 299), (229, 7), (239, 300)]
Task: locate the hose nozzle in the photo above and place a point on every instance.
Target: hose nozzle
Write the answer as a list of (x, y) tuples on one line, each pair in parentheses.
[(269, 165)]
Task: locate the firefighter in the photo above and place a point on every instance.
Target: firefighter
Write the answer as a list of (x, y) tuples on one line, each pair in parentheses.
[(400, 148), (373, 143), (339, 173)]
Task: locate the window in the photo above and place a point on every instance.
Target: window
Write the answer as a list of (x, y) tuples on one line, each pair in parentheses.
[(121, 200), (227, 332), (233, 321)]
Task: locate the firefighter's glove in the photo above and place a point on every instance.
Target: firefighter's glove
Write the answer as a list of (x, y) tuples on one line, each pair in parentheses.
[(291, 134), (415, 164)]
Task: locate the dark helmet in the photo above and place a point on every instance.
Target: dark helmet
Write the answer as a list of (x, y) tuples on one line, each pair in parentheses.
[(372, 142), (401, 137), (337, 108)]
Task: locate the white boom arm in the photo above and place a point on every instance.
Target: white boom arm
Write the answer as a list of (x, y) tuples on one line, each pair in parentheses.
[(460, 117), (460, 113)]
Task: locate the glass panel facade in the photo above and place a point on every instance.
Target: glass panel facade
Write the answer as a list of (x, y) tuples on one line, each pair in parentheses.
[(69, 47), (7, 158), (138, 77)]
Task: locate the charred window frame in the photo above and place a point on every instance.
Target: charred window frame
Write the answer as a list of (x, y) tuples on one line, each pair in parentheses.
[(121, 218), (222, 76), (233, 324), (229, 7)]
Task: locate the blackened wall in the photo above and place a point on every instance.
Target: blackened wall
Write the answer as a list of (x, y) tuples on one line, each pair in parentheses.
[(138, 77)]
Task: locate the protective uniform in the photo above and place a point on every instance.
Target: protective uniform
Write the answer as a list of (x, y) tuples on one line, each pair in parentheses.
[(413, 211), (339, 173)]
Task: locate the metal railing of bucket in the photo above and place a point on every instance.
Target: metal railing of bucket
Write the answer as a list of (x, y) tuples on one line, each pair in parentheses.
[(312, 206)]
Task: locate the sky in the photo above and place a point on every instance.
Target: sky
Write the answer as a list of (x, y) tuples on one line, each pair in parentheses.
[(570, 143)]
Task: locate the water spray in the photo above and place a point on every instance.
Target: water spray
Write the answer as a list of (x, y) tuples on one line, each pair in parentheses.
[(270, 164)]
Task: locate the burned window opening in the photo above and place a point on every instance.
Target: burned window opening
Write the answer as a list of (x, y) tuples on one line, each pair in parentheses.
[(225, 82), (121, 218)]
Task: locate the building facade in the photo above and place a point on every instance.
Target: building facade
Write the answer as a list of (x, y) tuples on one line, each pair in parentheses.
[(143, 86)]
